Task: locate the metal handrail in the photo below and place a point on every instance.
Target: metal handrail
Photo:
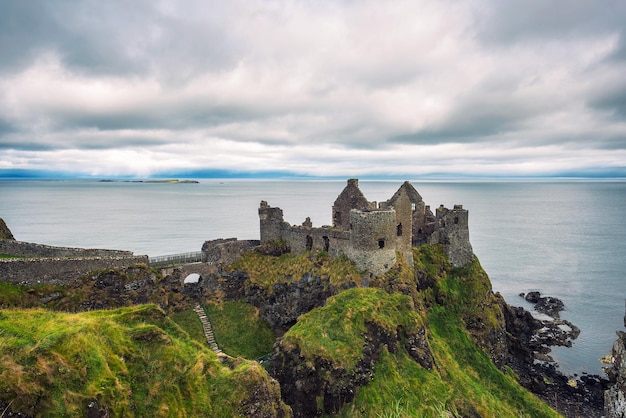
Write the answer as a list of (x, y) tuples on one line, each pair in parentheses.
[(174, 259)]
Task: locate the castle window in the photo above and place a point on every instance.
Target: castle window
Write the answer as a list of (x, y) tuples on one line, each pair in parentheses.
[(337, 219), (309, 243), (456, 219), (413, 207), (381, 243), (326, 243), (399, 230)]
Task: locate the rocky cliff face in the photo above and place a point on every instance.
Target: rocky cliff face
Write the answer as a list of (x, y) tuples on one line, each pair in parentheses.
[(280, 305), (615, 396)]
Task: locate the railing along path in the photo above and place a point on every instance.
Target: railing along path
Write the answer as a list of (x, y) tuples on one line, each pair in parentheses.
[(177, 259)]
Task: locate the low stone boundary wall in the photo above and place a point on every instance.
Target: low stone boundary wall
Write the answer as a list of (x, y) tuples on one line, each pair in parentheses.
[(33, 271), (30, 249)]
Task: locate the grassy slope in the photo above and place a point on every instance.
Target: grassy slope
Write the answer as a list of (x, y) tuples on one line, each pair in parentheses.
[(465, 380), (237, 327), (135, 360), (239, 331), (266, 271)]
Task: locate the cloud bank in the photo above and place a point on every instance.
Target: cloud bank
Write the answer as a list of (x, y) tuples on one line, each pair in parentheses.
[(326, 88)]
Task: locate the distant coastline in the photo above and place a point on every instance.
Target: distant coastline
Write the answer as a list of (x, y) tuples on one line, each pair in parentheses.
[(171, 181)]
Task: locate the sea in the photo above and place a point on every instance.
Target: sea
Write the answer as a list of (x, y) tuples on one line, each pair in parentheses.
[(564, 238)]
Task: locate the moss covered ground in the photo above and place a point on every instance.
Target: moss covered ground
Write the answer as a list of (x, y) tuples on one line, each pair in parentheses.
[(266, 271), (464, 382), (135, 360)]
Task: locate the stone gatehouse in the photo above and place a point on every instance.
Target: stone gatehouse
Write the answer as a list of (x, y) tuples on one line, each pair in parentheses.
[(373, 234)]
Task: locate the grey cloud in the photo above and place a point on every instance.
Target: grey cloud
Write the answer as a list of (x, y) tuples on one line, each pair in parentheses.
[(476, 129), (115, 37), (505, 22), (6, 127), (614, 102)]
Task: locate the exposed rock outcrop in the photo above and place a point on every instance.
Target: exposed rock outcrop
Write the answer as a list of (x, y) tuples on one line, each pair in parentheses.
[(281, 305), (615, 396), (546, 304), (528, 342)]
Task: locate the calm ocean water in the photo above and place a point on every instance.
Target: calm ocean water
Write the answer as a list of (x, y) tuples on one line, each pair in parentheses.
[(563, 238)]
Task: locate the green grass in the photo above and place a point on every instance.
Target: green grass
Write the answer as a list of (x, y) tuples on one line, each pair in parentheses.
[(135, 360), (8, 256), (239, 330), (465, 382), (336, 331), (237, 327), (266, 271), (188, 320), (12, 295)]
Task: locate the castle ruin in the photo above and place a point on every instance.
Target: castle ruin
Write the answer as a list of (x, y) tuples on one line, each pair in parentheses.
[(373, 234)]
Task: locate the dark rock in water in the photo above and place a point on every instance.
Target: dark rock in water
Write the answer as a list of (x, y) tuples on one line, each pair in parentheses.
[(532, 297), (529, 342), (545, 304), (550, 306)]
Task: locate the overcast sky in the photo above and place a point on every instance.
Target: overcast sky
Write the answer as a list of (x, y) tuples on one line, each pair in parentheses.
[(313, 87)]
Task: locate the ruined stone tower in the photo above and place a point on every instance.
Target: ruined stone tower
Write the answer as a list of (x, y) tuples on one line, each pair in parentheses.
[(350, 198), (451, 230)]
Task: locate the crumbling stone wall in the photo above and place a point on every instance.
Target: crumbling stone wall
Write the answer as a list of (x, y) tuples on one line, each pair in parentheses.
[(30, 249), (272, 222), (301, 239), (33, 271), (350, 198), (452, 231)]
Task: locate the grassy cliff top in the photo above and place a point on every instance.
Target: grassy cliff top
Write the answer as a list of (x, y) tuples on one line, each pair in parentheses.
[(448, 302), (134, 360)]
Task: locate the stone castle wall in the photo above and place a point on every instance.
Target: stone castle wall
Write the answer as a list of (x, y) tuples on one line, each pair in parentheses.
[(227, 251), (29, 249), (33, 271), (38, 263)]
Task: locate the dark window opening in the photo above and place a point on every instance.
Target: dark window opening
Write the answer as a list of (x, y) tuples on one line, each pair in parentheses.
[(399, 230), (337, 219), (419, 231), (456, 219), (381, 243), (326, 243), (309, 243)]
